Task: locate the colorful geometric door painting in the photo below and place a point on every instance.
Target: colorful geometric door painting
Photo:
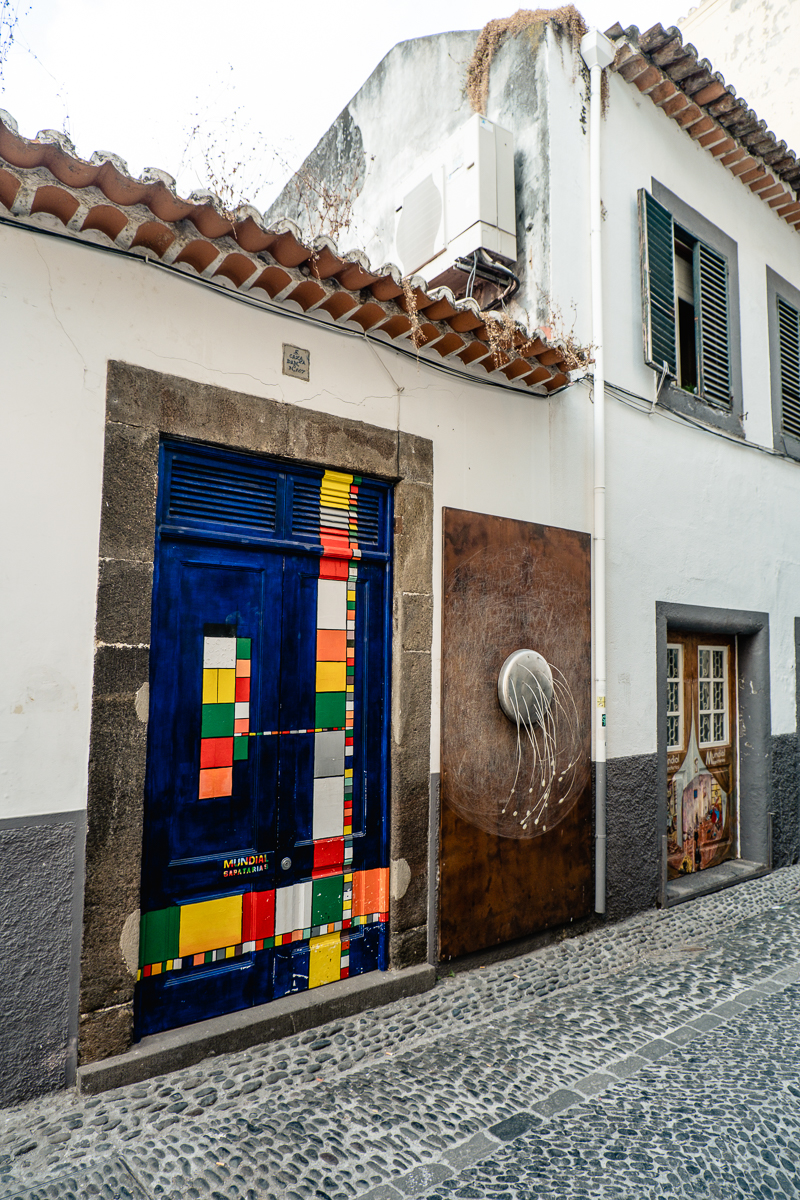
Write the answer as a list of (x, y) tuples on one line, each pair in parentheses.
[(701, 753), (516, 802), (265, 855)]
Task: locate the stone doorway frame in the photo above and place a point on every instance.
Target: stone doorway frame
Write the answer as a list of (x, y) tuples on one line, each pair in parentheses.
[(142, 407)]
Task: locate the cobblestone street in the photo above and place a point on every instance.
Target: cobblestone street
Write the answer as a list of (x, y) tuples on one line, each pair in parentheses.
[(655, 1058)]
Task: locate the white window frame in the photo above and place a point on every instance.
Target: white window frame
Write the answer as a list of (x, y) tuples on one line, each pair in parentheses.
[(680, 681), (712, 711)]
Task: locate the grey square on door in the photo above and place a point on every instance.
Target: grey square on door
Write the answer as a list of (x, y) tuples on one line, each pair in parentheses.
[(328, 754)]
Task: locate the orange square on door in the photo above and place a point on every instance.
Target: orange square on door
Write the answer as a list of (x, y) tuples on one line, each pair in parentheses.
[(331, 645), (241, 726), (370, 891), (216, 782)]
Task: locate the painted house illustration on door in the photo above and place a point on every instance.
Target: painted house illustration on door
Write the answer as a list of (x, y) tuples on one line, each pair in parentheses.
[(264, 867), (701, 753)]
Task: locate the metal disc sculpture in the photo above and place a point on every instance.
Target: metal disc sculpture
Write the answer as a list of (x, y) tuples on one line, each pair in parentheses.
[(537, 699)]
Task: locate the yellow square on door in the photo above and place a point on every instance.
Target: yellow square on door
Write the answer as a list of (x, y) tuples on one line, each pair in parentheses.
[(331, 676), (210, 686), (325, 959), (226, 688), (210, 925)]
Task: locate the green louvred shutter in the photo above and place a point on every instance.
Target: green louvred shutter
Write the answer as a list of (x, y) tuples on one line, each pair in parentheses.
[(789, 342), (656, 244), (711, 309)]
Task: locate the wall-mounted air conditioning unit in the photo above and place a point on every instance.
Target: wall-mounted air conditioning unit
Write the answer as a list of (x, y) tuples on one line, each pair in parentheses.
[(459, 200)]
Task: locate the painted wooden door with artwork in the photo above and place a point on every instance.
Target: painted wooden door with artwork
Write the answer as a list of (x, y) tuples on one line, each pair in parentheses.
[(264, 851), (516, 800), (701, 752)]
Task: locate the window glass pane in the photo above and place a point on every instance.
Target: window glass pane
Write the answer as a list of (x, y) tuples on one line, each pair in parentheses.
[(713, 663), (674, 697)]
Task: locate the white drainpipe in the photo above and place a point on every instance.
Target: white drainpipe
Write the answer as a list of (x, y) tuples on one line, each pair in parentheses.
[(598, 52)]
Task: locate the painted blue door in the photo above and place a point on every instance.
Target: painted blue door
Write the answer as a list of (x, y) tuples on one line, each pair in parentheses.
[(265, 860)]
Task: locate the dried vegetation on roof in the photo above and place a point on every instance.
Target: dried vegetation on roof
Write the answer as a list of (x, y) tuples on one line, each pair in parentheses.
[(565, 20)]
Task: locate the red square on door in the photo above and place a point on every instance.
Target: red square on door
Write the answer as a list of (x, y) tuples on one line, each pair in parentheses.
[(258, 916)]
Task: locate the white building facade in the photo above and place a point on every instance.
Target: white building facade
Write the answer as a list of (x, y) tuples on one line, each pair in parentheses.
[(141, 328)]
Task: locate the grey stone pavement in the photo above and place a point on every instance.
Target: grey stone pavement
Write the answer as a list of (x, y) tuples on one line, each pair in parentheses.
[(659, 1057)]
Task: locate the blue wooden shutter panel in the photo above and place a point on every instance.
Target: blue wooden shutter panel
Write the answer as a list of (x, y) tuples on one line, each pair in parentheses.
[(789, 345), (711, 316), (656, 245), (223, 494), (202, 489)]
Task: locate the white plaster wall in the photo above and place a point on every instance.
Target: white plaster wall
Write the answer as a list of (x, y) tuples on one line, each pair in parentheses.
[(754, 43), (65, 310), (691, 517), (420, 83)]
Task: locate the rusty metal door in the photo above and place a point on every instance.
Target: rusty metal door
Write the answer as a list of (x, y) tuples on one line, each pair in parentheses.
[(516, 821), (701, 752)]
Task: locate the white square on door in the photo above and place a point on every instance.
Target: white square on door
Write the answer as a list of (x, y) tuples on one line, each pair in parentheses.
[(293, 907), (219, 652), (328, 820), (328, 754), (331, 604)]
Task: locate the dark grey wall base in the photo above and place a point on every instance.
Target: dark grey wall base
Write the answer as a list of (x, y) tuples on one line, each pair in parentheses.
[(633, 863), (785, 801), (40, 921), (237, 1031)]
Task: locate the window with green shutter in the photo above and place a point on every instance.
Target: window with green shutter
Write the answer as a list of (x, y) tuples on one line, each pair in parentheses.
[(658, 284), (783, 308), (685, 291), (789, 366)]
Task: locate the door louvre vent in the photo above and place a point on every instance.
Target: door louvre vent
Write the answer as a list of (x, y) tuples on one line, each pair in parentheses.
[(203, 490), (369, 519), (364, 523), (305, 510)]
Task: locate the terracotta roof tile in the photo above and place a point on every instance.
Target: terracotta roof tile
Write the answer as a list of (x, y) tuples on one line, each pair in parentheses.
[(43, 180), (709, 110)]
